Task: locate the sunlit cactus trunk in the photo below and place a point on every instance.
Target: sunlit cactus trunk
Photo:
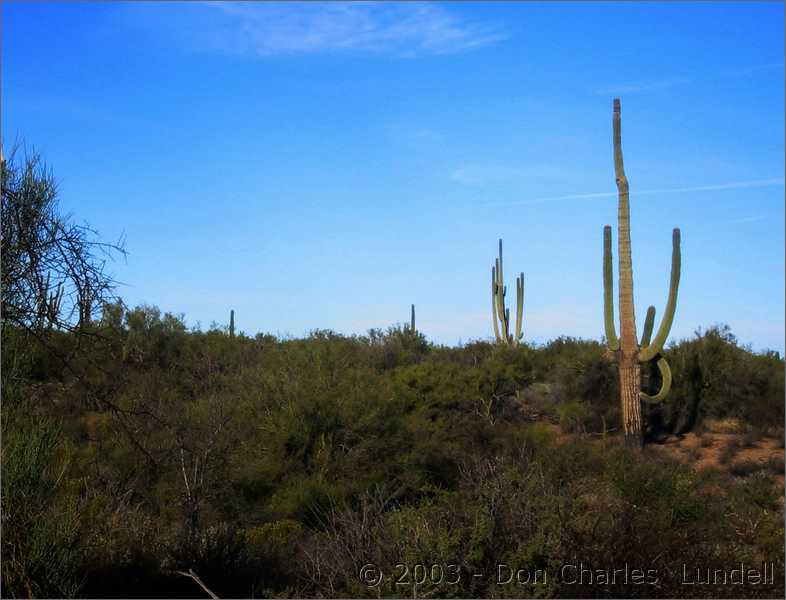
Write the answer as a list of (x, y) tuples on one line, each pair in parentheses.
[(626, 350), (629, 346)]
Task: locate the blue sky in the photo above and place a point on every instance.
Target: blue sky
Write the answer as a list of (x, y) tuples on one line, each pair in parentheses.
[(326, 165)]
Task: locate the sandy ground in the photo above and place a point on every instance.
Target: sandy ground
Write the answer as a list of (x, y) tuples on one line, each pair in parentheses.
[(709, 450)]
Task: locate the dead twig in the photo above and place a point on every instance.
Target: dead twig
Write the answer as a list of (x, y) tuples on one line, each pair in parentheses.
[(190, 573)]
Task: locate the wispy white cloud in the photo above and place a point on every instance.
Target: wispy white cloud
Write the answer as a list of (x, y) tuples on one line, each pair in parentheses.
[(481, 174), (648, 86), (699, 188), (400, 29)]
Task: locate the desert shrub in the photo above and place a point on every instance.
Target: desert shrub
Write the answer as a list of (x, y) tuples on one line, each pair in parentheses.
[(469, 355), (537, 401), (539, 436), (273, 537), (638, 481), (729, 450), (573, 417), (714, 377), (41, 525), (759, 490), (752, 437), (397, 346), (745, 467)]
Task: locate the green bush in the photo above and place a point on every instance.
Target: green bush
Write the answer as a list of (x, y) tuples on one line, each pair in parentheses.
[(713, 376), (573, 417), (41, 525), (758, 489)]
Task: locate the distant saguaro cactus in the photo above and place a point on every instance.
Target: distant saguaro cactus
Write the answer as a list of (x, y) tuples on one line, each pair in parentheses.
[(232, 323), (85, 300), (498, 309), (41, 303), (53, 307), (412, 321), (626, 350)]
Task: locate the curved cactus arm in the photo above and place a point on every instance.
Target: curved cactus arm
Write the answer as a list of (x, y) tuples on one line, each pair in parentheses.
[(608, 292), (649, 352), (501, 291), (665, 373), (649, 323), (519, 305), (494, 303)]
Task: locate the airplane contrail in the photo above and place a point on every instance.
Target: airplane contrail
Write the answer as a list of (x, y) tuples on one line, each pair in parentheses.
[(699, 188)]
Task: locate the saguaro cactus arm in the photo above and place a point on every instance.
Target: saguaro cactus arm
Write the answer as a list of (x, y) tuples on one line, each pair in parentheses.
[(649, 323), (494, 303), (608, 292), (665, 374), (502, 291), (519, 305), (499, 264), (502, 312), (651, 350)]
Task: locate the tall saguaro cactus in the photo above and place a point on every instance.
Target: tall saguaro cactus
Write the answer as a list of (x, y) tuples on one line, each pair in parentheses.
[(412, 320), (498, 309), (626, 349), (232, 323)]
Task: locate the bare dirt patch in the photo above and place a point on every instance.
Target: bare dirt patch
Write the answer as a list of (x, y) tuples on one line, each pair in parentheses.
[(728, 452)]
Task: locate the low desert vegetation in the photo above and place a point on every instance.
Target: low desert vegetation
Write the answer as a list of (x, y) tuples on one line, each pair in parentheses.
[(279, 467)]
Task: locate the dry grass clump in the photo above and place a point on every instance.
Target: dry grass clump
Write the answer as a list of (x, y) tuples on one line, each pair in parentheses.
[(775, 465), (728, 425), (752, 437), (728, 451), (694, 453)]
